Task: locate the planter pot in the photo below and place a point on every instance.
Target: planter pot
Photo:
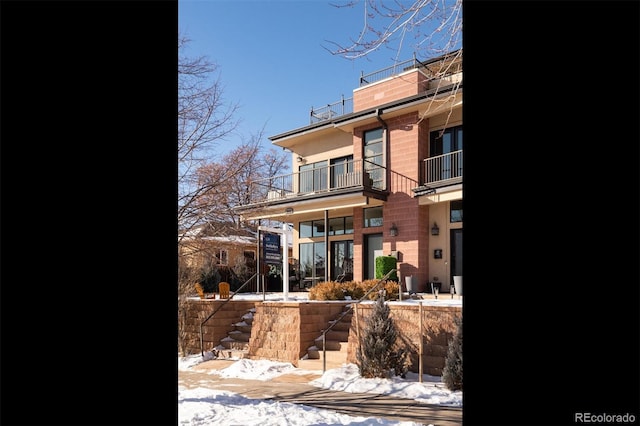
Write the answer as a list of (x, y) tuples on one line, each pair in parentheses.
[(457, 282), (409, 282)]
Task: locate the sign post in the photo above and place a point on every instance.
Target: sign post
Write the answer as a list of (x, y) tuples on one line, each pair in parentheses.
[(276, 253)]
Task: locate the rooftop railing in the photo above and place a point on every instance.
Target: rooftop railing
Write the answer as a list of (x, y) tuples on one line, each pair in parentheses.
[(342, 107), (437, 68)]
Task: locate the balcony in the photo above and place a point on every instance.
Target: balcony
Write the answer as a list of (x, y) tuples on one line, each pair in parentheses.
[(355, 177), (441, 171), (445, 169)]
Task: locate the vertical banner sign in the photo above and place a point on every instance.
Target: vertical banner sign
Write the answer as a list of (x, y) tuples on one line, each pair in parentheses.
[(271, 246)]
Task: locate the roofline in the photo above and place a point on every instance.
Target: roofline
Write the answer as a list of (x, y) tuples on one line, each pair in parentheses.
[(368, 113)]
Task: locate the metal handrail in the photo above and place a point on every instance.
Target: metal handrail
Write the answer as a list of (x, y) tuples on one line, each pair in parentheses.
[(220, 307), (344, 313)]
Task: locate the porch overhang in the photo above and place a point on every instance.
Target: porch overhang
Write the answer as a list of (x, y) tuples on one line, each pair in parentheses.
[(427, 104), (428, 196), (287, 210)]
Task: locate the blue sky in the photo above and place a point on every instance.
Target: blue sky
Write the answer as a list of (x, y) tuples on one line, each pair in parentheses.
[(271, 57)]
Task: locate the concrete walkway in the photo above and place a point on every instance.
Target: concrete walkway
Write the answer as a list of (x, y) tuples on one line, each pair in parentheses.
[(294, 388)]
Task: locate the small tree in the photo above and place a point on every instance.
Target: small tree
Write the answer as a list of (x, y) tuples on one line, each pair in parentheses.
[(452, 373), (378, 354)]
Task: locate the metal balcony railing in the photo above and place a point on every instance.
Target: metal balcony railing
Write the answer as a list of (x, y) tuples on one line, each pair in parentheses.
[(327, 179), (342, 107), (443, 169)]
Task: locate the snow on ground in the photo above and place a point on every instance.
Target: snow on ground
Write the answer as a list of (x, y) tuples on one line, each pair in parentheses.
[(201, 406)]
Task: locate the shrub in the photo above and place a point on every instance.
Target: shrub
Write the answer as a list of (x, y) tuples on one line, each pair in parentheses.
[(353, 289), (328, 290), (392, 289), (333, 290), (384, 264), (452, 372), (379, 354)]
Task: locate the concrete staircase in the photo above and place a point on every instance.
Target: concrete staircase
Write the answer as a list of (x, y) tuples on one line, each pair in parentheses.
[(236, 344), (336, 341)]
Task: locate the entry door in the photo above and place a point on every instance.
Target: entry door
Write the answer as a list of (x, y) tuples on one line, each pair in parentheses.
[(372, 242), (456, 253), (341, 257)]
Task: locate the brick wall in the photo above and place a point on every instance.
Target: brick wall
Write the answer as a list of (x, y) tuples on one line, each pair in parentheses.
[(390, 90)]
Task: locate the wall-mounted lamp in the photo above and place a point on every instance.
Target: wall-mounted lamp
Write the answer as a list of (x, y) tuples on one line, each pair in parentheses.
[(393, 231), (300, 160), (434, 229), (289, 210)]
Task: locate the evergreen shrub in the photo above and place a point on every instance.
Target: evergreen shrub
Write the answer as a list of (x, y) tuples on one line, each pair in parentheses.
[(452, 372), (384, 264), (379, 355)]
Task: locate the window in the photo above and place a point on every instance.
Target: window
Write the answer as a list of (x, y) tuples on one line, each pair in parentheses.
[(337, 226), (373, 217), (312, 228), (446, 144), (313, 177), (445, 141), (306, 229), (221, 257), (342, 172), (373, 154), (455, 211), (249, 256), (312, 260), (341, 225)]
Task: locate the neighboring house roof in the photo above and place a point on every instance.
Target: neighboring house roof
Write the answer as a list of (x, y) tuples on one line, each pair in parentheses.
[(227, 234), (221, 232), (232, 239)]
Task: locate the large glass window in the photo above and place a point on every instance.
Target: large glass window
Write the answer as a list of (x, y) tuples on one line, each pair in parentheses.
[(312, 261), (342, 172), (337, 226), (306, 229), (446, 143), (373, 217), (373, 155), (313, 177), (341, 225)]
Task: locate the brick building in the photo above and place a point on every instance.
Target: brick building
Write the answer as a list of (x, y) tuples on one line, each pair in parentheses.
[(377, 174)]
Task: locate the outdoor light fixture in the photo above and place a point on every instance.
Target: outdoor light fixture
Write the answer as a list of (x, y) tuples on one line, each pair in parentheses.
[(300, 159), (434, 229), (393, 231), (289, 210)]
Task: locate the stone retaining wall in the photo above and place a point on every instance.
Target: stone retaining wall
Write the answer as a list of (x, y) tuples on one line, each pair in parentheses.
[(218, 327), (438, 328), (283, 331)]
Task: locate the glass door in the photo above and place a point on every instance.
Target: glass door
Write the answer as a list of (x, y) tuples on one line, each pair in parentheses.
[(342, 260)]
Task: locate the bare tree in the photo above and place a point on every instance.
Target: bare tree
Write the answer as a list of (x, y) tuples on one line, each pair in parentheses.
[(431, 27), (204, 118)]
